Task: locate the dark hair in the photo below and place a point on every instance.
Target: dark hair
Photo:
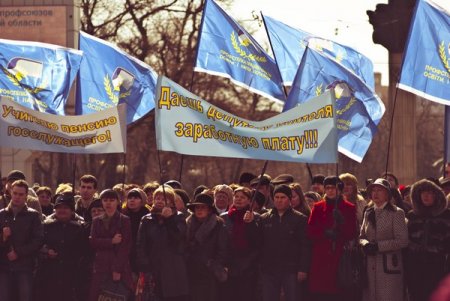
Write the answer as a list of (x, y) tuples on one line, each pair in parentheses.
[(44, 189), (390, 174), (89, 179), (20, 183), (109, 194), (246, 191)]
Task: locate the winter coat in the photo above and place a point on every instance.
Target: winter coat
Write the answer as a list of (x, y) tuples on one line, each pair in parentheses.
[(108, 257), (427, 257), (208, 249), (56, 277), (26, 238), (326, 253), (384, 269), (161, 249), (135, 219), (284, 246)]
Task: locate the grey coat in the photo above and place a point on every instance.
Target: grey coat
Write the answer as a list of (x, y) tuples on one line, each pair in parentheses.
[(385, 269)]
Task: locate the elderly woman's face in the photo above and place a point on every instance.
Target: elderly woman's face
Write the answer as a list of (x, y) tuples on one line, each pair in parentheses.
[(379, 195), (427, 198), (348, 188), (221, 200)]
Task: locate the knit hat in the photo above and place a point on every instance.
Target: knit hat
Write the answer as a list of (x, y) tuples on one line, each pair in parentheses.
[(283, 188), (15, 175), (318, 179), (96, 203), (224, 189), (66, 200), (333, 181), (137, 192), (283, 179)]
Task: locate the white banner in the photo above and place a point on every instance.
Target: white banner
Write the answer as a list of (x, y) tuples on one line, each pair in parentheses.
[(102, 132)]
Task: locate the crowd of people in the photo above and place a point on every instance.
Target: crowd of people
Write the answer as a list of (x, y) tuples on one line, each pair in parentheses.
[(263, 239)]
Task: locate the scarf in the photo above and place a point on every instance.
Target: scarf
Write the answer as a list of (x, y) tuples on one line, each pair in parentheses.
[(239, 240), (199, 231)]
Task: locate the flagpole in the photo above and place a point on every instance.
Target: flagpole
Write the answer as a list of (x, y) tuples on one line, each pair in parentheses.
[(284, 88), (124, 160), (446, 141), (390, 130), (263, 171), (74, 170)]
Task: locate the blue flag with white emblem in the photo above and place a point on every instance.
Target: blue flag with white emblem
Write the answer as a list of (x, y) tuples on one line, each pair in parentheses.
[(227, 49), (109, 76), (358, 108), (288, 45), (426, 63), (37, 75)]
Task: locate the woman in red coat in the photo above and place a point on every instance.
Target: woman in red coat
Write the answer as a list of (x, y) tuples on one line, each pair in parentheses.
[(111, 240), (329, 229)]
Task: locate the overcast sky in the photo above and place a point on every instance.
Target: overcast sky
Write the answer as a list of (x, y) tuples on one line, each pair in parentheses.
[(344, 21)]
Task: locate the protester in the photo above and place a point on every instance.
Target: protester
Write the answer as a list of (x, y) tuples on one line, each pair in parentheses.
[(44, 194), (331, 225), (223, 198), (245, 178), (32, 201), (149, 188), (61, 254), (284, 246), (161, 247), (352, 195), (312, 197), (111, 240), (383, 236), (135, 209), (317, 184), (427, 261), (88, 189), (258, 203), (181, 201), (264, 187), (242, 267), (21, 238), (208, 249), (298, 201)]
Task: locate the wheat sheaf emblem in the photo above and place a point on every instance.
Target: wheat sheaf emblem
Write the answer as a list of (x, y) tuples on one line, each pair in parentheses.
[(443, 56), (242, 52), (17, 83), (319, 89), (107, 83)]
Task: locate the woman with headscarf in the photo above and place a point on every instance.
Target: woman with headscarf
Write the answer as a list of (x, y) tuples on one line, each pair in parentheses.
[(208, 249), (427, 260), (383, 236)]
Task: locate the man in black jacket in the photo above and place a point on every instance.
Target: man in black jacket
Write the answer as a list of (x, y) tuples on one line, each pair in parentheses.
[(21, 238), (285, 249)]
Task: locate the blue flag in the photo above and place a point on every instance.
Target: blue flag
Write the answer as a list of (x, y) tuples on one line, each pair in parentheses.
[(109, 76), (358, 108), (426, 63), (226, 49), (37, 75), (288, 45)]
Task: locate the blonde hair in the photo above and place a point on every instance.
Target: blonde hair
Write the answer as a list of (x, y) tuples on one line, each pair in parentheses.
[(167, 192)]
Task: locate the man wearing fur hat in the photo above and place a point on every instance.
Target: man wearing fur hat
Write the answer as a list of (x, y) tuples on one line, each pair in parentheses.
[(429, 240), (331, 225), (285, 249)]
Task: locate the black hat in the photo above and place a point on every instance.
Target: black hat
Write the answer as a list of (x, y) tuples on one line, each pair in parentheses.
[(283, 188), (260, 199), (15, 175), (264, 181), (202, 199), (246, 177), (183, 195), (174, 184), (96, 203), (65, 199), (381, 183), (283, 179), (109, 194), (318, 179), (334, 181)]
